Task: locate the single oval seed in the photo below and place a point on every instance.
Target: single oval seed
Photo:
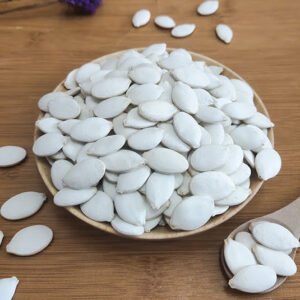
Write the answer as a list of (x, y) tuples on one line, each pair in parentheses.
[(48, 144), (145, 73), (166, 161), (30, 240), (183, 30), (141, 18), (69, 197), (64, 107), (58, 171), (143, 93), (208, 7), (157, 111), (107, 145), (164, 22), (224, 33), (22, 205), (8, 287), (11, 155)]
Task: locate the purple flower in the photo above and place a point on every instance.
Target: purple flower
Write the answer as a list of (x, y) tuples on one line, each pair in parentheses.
[(84, 6)]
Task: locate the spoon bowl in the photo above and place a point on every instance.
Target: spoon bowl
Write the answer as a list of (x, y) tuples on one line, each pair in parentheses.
[(288, 217)]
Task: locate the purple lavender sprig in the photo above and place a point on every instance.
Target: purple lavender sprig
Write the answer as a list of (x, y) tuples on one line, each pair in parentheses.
[(84, 6)]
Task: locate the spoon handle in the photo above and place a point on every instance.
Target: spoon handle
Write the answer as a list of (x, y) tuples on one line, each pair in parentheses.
[(289, 216)]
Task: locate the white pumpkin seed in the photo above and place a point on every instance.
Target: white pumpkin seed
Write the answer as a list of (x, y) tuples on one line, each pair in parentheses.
[(132, 180), (227, 140), (59, 155), (122, 161), (69, 197), (185, 98), (245, 184), (205, 137), (48, 144), (82, 155), (280, 262), (91, 129), (70, 82), (110, 87), (143, 93), (64, 107), (166, 161), (66, 126), (109, 188), (267, 163), (204, 97), (125, 228), (192, 213), (99, 208), (216, 132), (224, 33), (187, 129), (208, 7), (234, 160), (22, 205), (11, 155), (254, 279), (155, 49), (241, 174), (159, 188), (71, 149), (112, 177), (107, 145), (239, 110), (47, 125), (209, 114), (157, 111), (244, 92), (165, 22), (249, 137), (213, 183), (85, 71), (141, 18), (8, 287), (259, 120), (146, 139), (184, 189), (111, 107), (58, 171), (209, 157), (176, 59), (246, 239), (249, 158), (192, 74), (152, 213), (132, 62), (178, 180), (221, 102), (273, 236), (219, 210), (225, 90), (183, 30), (30, 240), (135, 120), (237, 256), (44, 101), (131, 208), (171, 140), (237, 197), (119, 128), (145, 73), (175, 199), (151, 224), (85, 174)]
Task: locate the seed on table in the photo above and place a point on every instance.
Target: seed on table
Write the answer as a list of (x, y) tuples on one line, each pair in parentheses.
[(8, 287), (165, 22), (22, 205), (30, 240), (1, 237), (141, 18), (183, 30), (224, 33), (11, 155), (208, 7)]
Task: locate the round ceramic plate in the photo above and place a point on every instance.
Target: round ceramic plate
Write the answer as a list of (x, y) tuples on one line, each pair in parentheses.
[(160, 233)]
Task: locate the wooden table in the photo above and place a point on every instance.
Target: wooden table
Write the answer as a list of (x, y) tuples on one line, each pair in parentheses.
[(40, 45)]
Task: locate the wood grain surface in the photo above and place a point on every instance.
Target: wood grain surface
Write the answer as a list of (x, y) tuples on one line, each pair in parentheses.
[(40, 45)]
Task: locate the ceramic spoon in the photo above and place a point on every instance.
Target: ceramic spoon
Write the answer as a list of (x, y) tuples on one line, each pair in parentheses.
[(288, 216)]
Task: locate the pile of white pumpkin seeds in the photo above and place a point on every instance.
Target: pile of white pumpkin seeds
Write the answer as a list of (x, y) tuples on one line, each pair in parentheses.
[(152, 138), (207, 7), (257, 258)]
